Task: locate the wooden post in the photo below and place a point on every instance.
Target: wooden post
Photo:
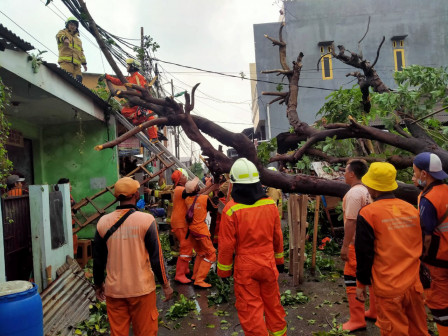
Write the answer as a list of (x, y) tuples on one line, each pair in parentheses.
[(303, 209), (316, 222), (291, 235), (296, 240)]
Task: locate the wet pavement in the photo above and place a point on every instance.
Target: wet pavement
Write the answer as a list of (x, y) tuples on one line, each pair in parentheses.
[(327, 300)]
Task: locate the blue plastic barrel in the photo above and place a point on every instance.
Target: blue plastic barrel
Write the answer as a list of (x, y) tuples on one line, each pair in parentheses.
[(20, 309)]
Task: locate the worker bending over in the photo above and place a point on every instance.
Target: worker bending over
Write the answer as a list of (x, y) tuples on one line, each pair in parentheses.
[(199, 234)]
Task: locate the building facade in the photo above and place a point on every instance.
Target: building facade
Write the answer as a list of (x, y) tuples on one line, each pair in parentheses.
[(415, 33)]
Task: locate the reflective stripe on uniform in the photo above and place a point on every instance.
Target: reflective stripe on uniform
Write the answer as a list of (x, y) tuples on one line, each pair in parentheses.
[(278, 255), (185, 256), (209, 261), (349, 280), (442, 227), (278, 333), (69, 59), (225, 267), (240, 206)]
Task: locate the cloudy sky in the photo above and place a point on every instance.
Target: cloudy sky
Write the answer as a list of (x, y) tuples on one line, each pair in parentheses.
[(207, 34)]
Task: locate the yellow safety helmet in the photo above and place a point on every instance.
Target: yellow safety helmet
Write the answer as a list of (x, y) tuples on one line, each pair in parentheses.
[(72, 19), (133, 63), (244, 171), (183, 171)]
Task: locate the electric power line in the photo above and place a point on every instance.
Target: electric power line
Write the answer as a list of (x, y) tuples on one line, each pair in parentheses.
[(28, 33)]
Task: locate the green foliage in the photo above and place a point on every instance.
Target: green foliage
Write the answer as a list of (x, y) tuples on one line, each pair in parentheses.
[(419, 90), (36, 60), (5, 163), (265, 149), (102, 92), (197, 169), (335, 331), (288, 299), (181, 308), (279, 87), (223, 289), (97, 324), (142, 51), (166, 246), (340, 104), (304, 165)]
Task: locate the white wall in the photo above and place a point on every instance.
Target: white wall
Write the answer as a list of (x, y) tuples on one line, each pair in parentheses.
[(43, 254)]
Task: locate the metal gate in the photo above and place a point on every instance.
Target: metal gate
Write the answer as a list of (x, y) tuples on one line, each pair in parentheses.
[(17, 238)]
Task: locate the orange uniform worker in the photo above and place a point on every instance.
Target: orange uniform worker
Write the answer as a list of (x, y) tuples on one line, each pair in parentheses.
[(356, 198), (127, 245), (250, 228), (135, 114), (14, 185), (179, 227), (198, 232), (433, 208), (388, 245)]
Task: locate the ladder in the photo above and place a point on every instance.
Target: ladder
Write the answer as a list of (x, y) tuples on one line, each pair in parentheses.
[(157, 148), (82, 220)]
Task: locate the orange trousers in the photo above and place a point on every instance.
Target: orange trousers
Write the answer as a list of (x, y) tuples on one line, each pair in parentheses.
[(403, 315), (131, 114), (185, 245), (258, 301), (141, 311), (437, 297), (203, 247)]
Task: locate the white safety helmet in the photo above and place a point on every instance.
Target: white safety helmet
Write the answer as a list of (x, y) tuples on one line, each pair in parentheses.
[(183, 171), (272, 168), (244, 172)]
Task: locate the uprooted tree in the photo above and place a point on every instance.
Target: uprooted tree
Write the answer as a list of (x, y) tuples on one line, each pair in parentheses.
[(342, 133)]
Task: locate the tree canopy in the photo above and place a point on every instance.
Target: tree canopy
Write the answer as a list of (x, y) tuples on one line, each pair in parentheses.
[(405, 119)]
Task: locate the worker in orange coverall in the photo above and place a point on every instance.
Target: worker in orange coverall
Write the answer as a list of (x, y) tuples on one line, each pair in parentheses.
[(433, 206), (250, 228), (388, 245), (179, 227), (136, 114), (198, 232)]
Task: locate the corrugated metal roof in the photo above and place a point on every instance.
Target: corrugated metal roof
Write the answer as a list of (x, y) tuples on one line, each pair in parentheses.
[(10, 40), (66, 301), (69, 78)]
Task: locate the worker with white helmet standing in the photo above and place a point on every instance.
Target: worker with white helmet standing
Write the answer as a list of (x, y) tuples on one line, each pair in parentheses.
[(250, 228)]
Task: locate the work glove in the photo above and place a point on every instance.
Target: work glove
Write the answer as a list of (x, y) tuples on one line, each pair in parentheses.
[(281, 268)]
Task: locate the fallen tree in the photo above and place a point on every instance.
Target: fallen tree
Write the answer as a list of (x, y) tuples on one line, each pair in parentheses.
[(405, 133)]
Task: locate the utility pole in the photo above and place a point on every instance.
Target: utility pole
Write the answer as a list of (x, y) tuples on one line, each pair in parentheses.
[(142, 55)]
